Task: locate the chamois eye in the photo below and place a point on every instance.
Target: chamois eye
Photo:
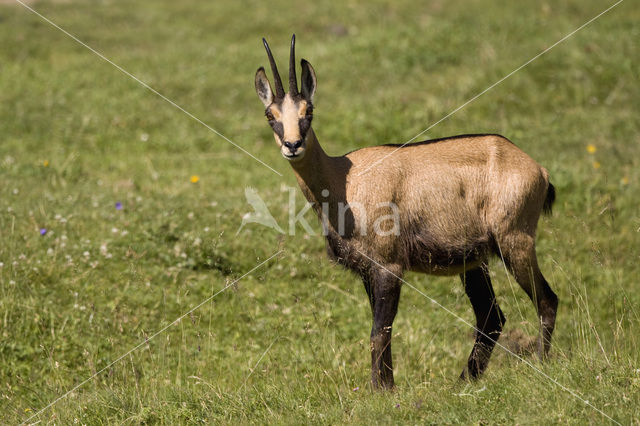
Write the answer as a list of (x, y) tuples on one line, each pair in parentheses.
[(269, 116)]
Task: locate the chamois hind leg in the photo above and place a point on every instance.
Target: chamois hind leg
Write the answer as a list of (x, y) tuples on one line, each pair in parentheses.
[(519, 255), (383, 289), (489, 319)]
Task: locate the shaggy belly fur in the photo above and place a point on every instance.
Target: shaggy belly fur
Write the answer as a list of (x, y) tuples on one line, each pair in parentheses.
[(415, 252)]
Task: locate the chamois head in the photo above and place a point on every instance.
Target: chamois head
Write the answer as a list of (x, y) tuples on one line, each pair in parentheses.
[(289, 114)]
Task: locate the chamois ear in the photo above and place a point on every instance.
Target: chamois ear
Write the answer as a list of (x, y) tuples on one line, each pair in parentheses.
[(308, 80), (263, 88)]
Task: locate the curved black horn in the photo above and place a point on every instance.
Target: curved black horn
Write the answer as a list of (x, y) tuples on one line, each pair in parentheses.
[(274, 69), (293, 82)]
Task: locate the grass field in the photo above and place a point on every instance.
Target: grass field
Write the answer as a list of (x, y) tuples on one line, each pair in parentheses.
[(132, 242)]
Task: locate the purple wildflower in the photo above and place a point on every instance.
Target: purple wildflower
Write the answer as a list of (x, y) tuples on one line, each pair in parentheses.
[(118, 205), (43, 231)]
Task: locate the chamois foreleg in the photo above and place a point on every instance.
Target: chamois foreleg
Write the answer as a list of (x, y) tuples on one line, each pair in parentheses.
[(383, 288), (489, 319)]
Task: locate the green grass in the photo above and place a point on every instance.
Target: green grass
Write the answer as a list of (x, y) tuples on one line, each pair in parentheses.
[(102, 279)]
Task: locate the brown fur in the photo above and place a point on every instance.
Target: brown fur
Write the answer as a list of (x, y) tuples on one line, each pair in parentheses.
[(459, 200), (454, 196)]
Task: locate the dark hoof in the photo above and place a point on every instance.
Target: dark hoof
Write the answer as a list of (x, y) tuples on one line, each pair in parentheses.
[(466, 376), (382, 387)]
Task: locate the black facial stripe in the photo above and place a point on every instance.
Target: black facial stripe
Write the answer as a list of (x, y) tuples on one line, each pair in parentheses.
[(278, 129), (304, 124)]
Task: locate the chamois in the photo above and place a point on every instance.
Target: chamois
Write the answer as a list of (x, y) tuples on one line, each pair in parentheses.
[(439, 207)]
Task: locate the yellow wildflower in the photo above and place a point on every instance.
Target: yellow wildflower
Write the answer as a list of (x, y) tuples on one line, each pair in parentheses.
[(625, 180), (596, 165), (195, 179), (45, 163), (591, 149)]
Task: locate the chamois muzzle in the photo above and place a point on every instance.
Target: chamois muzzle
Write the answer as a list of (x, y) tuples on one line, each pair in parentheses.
[(293, 147)]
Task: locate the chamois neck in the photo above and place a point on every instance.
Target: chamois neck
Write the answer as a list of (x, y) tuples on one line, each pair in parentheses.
[(317, 172)]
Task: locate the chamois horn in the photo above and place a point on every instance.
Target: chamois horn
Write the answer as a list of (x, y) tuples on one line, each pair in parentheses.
[(293, 82), (274, 69)]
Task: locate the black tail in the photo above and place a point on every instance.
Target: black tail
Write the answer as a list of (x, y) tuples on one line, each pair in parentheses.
[(551, 197)]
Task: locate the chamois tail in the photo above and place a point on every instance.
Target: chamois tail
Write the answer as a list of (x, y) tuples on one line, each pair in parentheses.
[(551, 197)]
